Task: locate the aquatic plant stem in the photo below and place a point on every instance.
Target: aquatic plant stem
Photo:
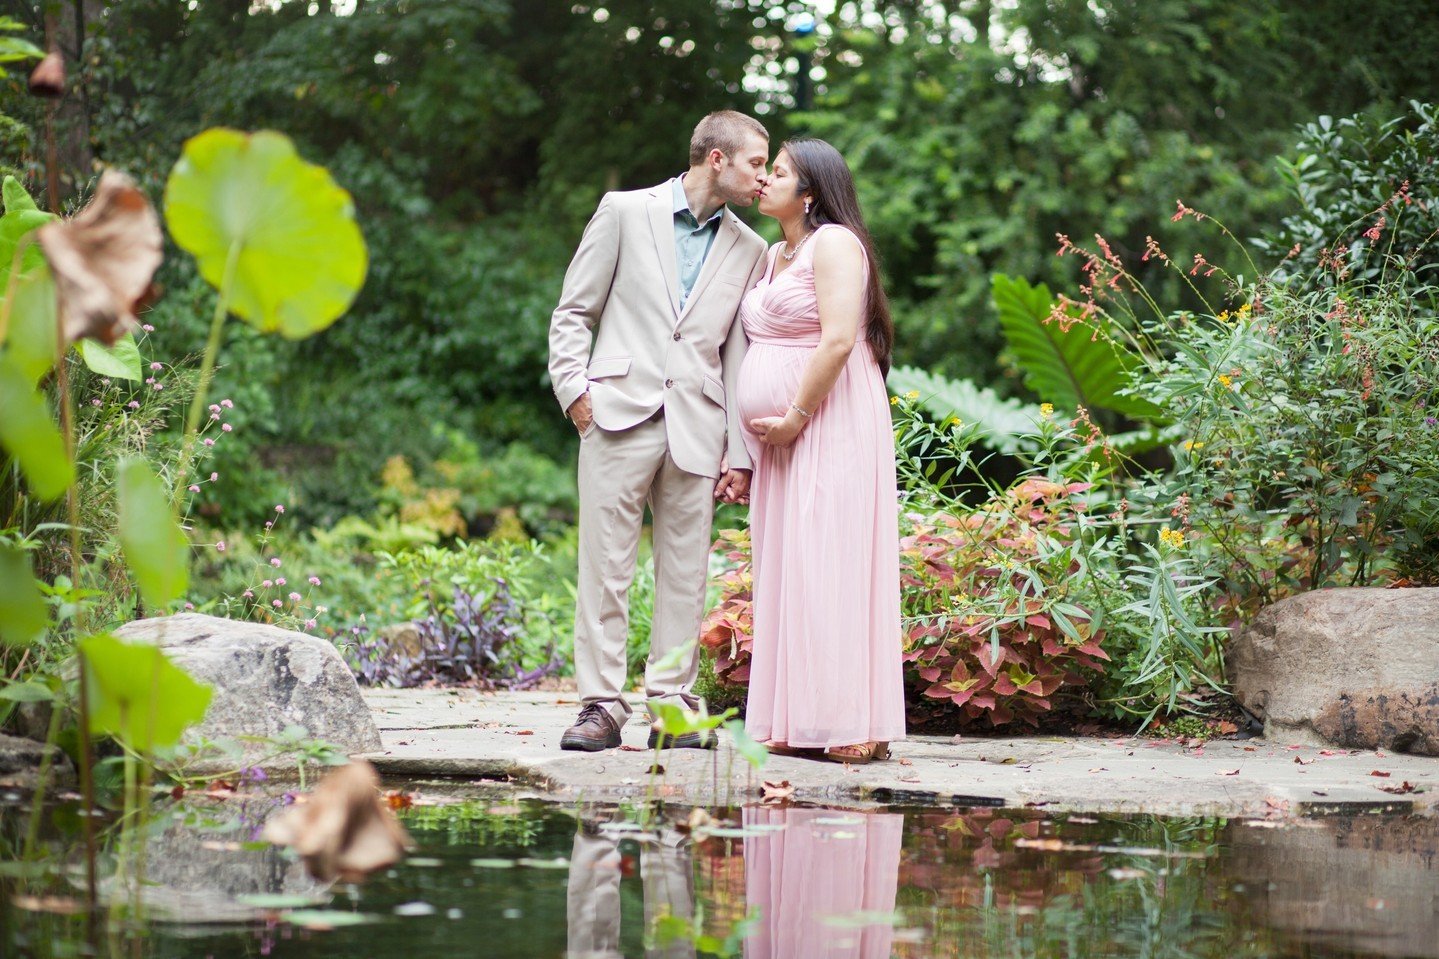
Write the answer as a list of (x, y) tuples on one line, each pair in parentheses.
[(207, 369)]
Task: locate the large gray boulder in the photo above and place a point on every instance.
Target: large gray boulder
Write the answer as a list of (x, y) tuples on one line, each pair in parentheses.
[(20, 761), (265, 679), (1345, 667)]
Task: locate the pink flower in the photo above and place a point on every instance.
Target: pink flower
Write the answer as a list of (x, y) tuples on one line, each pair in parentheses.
[(276, 603), (190, 607), (226, 427), (157, 366), (214, 476), (149, 380), (322, 609), (214, 416), (227, 404), (267, 584), (279, 509), (220, 546), (194, 488), (157, 387), (275, 561), (95, 402), (248, 594), (314, 581), (309, 624), (147, 328), (295, 597), (269, 523), (214, 407), (279, 581), (133, 404), (209, 442)]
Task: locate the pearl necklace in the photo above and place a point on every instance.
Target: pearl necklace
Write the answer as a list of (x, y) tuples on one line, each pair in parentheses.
[(795, 252)]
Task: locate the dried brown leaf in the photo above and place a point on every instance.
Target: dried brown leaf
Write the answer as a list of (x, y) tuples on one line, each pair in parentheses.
[(103, 260), (345, 831)]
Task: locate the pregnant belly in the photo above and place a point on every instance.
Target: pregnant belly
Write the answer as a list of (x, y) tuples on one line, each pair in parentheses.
[(769, 379)]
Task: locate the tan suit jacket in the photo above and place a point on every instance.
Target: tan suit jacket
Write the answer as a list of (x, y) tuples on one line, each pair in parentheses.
[(622, 290)]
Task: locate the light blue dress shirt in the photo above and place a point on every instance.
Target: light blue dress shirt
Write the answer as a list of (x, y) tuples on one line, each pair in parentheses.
[(692, 240)]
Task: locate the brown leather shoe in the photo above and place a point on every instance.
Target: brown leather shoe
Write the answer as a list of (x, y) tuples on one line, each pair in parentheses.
[(596, 729)]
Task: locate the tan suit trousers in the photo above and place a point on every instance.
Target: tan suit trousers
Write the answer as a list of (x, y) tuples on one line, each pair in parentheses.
[(619, 472)]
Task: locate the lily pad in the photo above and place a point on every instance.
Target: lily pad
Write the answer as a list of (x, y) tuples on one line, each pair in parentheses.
[(275, 234)]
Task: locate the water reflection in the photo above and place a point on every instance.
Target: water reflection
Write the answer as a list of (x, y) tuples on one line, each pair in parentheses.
[(824, 882), (592, 897)]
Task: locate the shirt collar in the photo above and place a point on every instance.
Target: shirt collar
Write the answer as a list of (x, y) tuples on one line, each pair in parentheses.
[(682, 202)]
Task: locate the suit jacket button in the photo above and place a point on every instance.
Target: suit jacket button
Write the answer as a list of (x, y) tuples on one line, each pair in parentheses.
[(669, 384), (677, 337)]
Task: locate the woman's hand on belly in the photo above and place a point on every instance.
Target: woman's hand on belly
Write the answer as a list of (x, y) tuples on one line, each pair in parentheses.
[(778, 431)]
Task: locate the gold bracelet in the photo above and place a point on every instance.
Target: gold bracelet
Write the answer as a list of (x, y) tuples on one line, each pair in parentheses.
[(805, 413)]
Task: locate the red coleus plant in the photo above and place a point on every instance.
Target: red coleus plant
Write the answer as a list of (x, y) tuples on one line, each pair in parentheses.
[(728, 630), (991, 627)]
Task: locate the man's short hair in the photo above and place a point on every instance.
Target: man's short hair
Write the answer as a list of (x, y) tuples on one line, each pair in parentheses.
[(725, 131)]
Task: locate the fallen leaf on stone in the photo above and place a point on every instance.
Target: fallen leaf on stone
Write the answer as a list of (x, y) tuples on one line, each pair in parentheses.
[(906, 762), (1250, 749), (1043, 845), (1318, 793), (1293, 747), (103, 259), (1226, 728), (525, 732), (1100, 769), (1380, 773), (909, 779), (633, 749), (1327, 752), (1404, 787), (776, 792), (1231, 772), (657, 770), (345, 831), (1302, 761), (397, 799)]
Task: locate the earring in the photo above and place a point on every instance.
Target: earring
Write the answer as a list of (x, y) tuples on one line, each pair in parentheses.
[(806, 206)]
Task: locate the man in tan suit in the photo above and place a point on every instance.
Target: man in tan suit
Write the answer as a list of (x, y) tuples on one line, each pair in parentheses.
[(645, 351)]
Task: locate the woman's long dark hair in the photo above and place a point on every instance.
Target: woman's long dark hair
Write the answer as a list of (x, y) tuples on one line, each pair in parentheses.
[(822, 173)]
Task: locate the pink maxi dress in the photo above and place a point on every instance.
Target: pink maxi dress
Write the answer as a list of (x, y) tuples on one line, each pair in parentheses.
[(825, 532)]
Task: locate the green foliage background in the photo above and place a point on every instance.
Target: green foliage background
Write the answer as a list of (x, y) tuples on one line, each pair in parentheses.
[(477, 135)]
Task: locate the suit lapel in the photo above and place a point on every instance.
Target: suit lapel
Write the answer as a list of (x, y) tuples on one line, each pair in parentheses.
[(724, 241), (662, 224)]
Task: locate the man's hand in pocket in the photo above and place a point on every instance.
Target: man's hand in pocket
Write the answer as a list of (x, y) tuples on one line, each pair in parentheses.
[(581, 414)]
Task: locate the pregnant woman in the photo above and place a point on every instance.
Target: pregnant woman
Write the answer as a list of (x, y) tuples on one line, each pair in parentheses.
[(825, 678)]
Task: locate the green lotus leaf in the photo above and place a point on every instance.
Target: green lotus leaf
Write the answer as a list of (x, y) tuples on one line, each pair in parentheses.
[(28, 432), (155, 547), (275, 234), (137, 695), (23, 616)]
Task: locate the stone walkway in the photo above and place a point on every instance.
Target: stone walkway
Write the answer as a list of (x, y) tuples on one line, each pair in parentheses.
[(462, 734)]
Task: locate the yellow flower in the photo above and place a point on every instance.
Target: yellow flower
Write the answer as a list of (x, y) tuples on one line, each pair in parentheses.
[(1192, 445), (954, 421), (912, 395), (1046, 410), (894, 401), (1225, 381), (1171, 537), (1243, 312), (1223, 317)]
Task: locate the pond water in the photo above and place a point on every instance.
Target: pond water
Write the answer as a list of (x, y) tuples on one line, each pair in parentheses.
[(496, 876)]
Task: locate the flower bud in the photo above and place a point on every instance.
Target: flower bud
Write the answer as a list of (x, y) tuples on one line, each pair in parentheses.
[(48, 77)]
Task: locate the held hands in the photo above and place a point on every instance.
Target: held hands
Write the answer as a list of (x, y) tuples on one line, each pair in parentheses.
[(780, 431), (733, 485), (581, 413)]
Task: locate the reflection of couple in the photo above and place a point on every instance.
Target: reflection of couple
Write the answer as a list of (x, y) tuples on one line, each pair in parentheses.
[(822, 882), (697, 366)]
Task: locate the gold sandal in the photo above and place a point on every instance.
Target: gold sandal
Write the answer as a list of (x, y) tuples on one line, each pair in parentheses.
[(798, 752), (858, 754)]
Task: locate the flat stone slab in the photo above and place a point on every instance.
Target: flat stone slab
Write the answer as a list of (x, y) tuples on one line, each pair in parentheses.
[(461, 733)]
